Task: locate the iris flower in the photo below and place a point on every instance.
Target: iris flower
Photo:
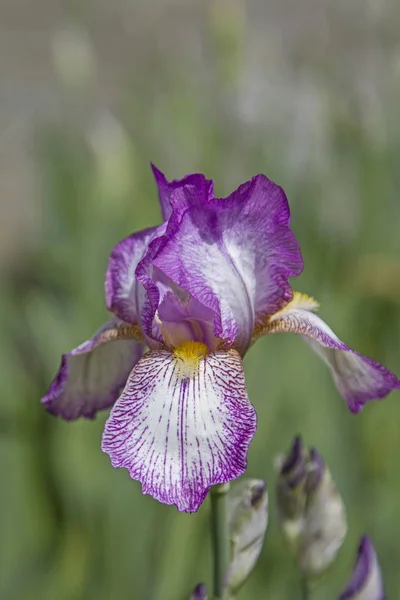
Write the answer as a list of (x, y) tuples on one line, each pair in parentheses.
[(197, 290)]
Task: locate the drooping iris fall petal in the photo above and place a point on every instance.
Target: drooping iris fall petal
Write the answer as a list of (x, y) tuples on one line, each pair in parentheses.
[(182, 424), (357, 377), (92, 375)]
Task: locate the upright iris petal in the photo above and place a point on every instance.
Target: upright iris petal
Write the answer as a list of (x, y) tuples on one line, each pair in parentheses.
[(235, 256), (175, 195), (175, 199), (121, 284)]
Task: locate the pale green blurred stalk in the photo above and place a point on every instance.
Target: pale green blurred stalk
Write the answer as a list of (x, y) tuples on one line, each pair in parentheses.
[(219, 536), (305, 589)]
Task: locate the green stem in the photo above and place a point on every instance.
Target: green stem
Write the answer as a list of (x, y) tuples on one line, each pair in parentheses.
[(219, 536), (305, 589)]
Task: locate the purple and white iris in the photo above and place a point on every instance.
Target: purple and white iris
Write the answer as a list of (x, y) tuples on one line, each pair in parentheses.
[(197, 291)]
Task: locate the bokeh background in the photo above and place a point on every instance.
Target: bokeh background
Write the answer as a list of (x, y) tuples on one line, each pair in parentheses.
[(306, 91)]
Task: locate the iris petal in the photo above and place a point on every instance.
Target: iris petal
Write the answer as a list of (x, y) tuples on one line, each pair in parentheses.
[(357, 377), (176, 194), (186, 319), (195, 259), (255, 225), (234, 255), (181, 426), (92, 375), (175, 198), (120, 284)]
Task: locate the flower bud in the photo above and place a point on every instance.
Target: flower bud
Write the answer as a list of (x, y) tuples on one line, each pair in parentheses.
[(248, 519), (311, 512), (199, 592), (365, 582)]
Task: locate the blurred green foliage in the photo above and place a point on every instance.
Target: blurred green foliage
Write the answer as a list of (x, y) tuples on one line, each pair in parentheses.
[(72, 527)]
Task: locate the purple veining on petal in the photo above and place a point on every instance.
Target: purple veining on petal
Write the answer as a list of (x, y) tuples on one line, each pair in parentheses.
[(194, 258), (148, 292), (124, 295), (382, 382), (173, 194), (366, 581), (256, 230), (186, 320), (91, 376), (180, 433), (191, 191), (358, 378), (120, 283), (235, 255)]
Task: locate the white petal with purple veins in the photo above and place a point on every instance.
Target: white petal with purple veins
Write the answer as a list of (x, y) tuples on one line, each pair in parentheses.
[(182, 424)]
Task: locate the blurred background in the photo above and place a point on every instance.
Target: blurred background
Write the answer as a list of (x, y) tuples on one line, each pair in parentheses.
[(307, 92)]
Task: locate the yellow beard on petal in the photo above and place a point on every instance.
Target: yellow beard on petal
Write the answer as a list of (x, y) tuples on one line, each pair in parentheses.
[(188, 356), (299, 300)]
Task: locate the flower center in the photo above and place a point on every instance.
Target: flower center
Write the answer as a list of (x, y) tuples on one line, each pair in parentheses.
[(188, 356)]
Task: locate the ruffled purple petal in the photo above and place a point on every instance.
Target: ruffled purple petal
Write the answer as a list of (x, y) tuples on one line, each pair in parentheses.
[(255, 225), (182, 425), (121, 284), (366, 580), (358, 378), (149, 292), (195, 259), (235, 255), (92, 375), (177, 193), (178, 196)]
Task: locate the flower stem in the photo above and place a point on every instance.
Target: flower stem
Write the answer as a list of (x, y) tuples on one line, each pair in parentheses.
[(219, 536), (305, 589)]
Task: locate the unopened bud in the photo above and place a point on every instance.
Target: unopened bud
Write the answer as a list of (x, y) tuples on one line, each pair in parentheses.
[(365, 582), (248, 520), (311, 512), (291, 498), (199, 592)]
